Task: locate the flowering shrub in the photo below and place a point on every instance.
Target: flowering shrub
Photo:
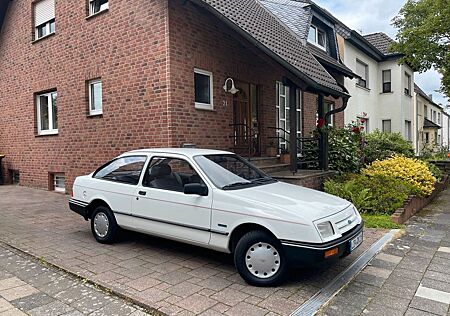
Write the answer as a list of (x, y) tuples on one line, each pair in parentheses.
[(379, 146), (413, 171)]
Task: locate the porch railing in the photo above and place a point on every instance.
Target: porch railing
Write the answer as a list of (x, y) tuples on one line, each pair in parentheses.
[(307, 148), (245, 140)]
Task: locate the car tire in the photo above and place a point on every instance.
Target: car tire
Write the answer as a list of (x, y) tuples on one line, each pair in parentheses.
[(103, 225), (259, 259)]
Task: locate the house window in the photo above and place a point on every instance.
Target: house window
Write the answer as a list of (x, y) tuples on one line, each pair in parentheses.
[(387, 84), (408, 130), (427, 138), (47, 114), (362, 70), (407, 84), (439, 118), (386, 126), (44, 18), (203, 89), (364, 121), (434, 116), (317, 37), (425, 110), (14, 176), (95, 97), (283, 109), (96, 6), (329, 106), (59, 182)]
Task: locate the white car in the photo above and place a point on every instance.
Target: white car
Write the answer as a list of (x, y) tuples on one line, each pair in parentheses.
[(218, 200)]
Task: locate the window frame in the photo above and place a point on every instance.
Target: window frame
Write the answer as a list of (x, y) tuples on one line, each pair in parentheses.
[(91, 98), (332, 106), (51, 130), (383, 88), (144, 165), (390, 126), (408, 77), (408, 130), (55, 187), (210, 105), (91, 11), (316, 41), (366, 75)]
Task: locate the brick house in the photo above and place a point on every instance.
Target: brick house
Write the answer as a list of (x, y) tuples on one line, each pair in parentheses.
[(83, 81)]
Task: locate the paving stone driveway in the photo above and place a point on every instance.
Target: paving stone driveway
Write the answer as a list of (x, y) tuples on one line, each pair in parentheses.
[(410, 277), (30, 287), (171, 277)]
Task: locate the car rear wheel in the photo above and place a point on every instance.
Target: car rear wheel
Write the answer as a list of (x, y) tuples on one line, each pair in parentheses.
[(103, 225), (259, 259)]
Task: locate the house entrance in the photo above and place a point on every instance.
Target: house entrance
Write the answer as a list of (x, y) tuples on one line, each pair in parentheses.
[(245, 120)]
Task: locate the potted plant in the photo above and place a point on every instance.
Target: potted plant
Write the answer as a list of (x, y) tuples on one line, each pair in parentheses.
[(271, 150), (285, 157)]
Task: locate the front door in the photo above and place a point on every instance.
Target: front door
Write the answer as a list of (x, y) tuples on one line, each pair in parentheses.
[(245, 120), (161, 207)]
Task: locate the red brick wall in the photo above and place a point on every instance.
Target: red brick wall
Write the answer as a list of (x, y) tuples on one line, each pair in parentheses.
[(126, 46)]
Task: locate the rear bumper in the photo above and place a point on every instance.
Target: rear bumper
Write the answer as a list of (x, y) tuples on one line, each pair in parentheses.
[(301, 254), (79, 207)]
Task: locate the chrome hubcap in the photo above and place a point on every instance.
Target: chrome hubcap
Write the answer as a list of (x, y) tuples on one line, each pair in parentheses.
[(101, 224), (262, 260)]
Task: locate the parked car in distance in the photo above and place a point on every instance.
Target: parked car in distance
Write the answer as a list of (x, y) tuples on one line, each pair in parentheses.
[(218, 200)]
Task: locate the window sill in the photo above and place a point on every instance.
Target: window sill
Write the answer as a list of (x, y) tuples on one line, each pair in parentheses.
[(96, 14), (203, 107), (408, 95), (48, 134), (361, 87), (92, 115), (43, 37), (390, 92)]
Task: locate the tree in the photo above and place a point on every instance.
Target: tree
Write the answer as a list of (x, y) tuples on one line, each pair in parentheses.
[(424, 37)]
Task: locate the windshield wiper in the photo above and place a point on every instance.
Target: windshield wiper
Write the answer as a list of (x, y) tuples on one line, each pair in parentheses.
[(236, 184)]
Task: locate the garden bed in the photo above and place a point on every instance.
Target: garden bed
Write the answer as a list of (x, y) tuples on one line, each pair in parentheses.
[(416, 203)]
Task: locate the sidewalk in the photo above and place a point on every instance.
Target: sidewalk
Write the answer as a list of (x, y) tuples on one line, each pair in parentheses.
[(28, 287), (410, 277)]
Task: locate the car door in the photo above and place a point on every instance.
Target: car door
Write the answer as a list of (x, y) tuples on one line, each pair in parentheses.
[(116, 183), (162, 208)]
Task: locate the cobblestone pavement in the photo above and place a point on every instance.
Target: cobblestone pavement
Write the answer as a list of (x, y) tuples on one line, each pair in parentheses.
[(30, 287), (411, 276), (172, 277)]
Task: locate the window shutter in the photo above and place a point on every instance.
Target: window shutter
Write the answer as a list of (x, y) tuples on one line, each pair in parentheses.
[(44, 11)]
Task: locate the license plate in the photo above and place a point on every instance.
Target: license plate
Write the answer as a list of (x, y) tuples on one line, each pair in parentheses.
[(355, 242)]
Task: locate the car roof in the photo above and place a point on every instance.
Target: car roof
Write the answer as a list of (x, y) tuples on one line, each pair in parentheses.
[(188, 152)]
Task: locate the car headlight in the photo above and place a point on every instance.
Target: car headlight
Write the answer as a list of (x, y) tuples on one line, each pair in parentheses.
[(325, 229)]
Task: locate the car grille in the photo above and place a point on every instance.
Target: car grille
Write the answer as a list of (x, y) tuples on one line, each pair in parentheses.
[(346, 221)]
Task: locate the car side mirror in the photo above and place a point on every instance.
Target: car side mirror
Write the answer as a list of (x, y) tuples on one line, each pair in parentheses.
[(196, 189)]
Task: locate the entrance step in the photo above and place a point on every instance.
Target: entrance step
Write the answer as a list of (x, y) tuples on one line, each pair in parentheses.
[(265, 161), (271, 169)]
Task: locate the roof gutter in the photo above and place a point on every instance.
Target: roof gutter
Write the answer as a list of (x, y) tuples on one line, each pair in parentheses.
[(309, 82)]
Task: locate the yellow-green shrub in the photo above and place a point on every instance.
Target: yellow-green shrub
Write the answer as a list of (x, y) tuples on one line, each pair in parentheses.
[(414, 171)]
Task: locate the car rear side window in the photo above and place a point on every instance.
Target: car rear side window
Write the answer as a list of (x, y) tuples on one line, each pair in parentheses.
[(124, 170)]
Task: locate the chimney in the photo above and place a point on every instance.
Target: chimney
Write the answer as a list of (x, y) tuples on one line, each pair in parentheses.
[(430, 96)]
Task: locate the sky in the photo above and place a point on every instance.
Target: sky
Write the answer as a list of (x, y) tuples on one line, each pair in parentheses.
[(370, 16)]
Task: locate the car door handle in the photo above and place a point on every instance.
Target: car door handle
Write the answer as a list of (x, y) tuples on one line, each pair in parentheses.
[(142, 193)]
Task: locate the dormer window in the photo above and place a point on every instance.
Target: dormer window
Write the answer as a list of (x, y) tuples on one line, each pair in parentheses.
[(317, 37)]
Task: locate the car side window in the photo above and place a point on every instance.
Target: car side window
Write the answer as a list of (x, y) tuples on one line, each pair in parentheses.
[(123, 170), (170, 174)]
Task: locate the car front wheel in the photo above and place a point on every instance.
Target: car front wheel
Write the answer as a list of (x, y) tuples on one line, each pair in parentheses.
[(103, 225), (259, 259)]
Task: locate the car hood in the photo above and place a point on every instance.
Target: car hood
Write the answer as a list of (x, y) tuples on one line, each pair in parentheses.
[(293, 201)]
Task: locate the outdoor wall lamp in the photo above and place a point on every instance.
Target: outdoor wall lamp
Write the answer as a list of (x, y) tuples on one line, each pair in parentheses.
[(233, 89)]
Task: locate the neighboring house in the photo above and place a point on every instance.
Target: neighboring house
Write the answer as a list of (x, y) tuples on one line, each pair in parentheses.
[(445, 130), (430, 120), (83, 81), (383, 95)]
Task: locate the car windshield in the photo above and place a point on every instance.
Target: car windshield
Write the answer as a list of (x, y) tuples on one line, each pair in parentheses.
[(228, 171)]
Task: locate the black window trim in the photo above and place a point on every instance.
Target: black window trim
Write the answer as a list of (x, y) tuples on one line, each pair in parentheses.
[(117, 158)]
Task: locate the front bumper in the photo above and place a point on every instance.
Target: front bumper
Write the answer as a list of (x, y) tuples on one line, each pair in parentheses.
[(300, 254), (79, 207)]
